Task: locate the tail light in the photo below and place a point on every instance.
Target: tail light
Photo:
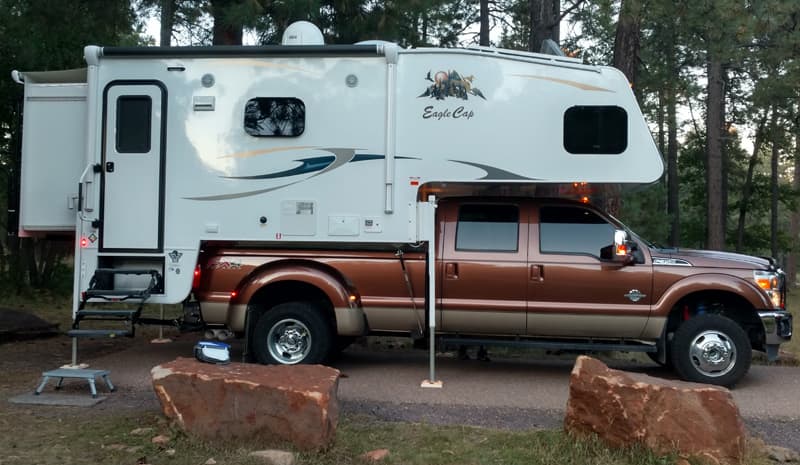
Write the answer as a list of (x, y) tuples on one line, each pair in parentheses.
[(196, 278)]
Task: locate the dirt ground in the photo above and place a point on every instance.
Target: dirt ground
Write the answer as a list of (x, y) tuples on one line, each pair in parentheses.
[(368, 386)]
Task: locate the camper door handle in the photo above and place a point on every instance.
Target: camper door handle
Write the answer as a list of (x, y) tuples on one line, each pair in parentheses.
[(85, 190), (109, 167)]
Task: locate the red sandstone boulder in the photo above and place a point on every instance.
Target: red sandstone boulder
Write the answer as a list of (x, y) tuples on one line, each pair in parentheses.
[(243, 401), (624, 409)]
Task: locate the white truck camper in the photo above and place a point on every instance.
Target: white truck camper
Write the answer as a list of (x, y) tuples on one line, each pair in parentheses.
[(149, 153)]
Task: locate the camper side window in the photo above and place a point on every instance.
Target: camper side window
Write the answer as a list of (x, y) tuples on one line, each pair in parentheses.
[(488, 227), (133, 123), (274, 117), (595, 130)]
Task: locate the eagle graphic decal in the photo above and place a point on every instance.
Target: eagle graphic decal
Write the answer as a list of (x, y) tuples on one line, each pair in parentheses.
[(450, 84)]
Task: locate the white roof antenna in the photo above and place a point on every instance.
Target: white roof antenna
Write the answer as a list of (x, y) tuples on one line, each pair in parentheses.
[(302, 33)]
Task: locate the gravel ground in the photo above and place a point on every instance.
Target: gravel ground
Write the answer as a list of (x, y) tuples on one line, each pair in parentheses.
[(781, 432)]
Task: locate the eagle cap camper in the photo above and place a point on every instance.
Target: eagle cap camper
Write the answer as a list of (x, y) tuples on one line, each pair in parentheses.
[(163, 153)]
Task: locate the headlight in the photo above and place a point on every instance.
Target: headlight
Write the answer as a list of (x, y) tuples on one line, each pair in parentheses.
[(772, 283)]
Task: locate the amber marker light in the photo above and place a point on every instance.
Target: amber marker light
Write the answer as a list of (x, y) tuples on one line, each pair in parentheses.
[(585, 199), (622, 249), (767, 283)]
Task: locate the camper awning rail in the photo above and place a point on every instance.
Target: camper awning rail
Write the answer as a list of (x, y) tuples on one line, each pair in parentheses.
[(245, 51)]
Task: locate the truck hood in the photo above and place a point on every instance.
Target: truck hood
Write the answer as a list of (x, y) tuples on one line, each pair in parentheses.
[(715, 259)]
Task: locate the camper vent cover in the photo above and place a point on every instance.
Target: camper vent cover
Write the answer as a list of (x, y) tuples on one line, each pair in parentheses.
[(302, 33)]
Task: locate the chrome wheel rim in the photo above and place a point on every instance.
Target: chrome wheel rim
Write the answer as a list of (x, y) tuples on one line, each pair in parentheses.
[(289, 341), (713, 354)]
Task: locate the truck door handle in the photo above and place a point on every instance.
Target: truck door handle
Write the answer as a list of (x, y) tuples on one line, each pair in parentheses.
[(451, 270), (537, 273)]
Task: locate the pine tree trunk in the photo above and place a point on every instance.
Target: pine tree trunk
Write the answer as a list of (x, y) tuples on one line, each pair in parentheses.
[(747, 189), (226, 31), (484, 32), (724, 150), (794, 227), (626, 42), (773, 184), (673, 181), (715, 225), (167, 22), (544, 23)]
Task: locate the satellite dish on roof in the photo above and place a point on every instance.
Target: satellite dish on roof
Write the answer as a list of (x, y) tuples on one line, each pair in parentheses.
[(302, 33)]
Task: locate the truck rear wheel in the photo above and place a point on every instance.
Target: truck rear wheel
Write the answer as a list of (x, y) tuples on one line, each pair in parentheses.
[(711, 349), (292, 333)]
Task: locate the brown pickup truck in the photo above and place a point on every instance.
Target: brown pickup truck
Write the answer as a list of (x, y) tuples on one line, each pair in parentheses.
[(520, 271)]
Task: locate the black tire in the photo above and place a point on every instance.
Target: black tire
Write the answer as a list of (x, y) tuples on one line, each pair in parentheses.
[(292, 333), (711, 349)]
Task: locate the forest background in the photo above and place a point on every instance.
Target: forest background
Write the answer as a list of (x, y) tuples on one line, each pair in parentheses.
[(718, 81)]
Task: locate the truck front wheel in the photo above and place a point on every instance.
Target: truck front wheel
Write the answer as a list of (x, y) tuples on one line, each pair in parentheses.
[(292, 333), (711, 349)]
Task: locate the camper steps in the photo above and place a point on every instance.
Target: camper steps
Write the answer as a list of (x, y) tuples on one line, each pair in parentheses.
[(102, 287)]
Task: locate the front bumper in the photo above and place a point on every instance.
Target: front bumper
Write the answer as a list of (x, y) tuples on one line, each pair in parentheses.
[(777, 330)]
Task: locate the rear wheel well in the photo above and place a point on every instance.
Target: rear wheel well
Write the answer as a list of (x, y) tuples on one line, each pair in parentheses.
[(288, 291), (722, 303)]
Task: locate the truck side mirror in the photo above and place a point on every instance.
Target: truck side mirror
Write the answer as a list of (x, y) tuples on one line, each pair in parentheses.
[(621, 251)]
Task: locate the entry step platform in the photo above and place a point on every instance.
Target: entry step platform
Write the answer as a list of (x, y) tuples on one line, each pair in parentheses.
[(102, 286), (122, 314), (78, 373)]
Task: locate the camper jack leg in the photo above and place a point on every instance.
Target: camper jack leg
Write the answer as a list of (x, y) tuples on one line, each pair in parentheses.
[(428, 220)]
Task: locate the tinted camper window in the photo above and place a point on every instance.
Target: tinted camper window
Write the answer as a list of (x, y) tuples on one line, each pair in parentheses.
[(488, 228), (595, 130), (133, 123), (274, 117)]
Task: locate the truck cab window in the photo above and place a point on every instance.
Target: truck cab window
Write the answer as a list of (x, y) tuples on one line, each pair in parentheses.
[(274, 117), (573, 230), (488, 227), (133, 123)]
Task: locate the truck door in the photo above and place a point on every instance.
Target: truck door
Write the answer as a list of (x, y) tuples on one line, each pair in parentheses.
[(571, 292), (132, 202), (484, 266)]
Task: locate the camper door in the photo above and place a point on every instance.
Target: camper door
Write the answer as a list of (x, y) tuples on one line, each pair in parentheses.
[(132, 200)]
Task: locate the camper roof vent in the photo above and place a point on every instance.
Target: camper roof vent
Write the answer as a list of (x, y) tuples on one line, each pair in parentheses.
[(302, 33)]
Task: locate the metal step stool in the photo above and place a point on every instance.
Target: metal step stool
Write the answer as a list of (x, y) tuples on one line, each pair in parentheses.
[(88, 375)]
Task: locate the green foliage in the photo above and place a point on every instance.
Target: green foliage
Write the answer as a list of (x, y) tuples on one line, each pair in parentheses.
[(40, 35)]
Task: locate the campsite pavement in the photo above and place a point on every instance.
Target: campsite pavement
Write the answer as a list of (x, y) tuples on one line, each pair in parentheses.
[(514, 393)]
